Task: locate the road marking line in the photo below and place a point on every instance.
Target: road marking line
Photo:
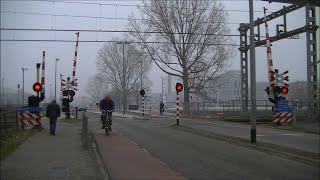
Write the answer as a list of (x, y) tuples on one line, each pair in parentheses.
[(236, 126), (274, 132), (68, 124), (261, 135), (145, 150), (164, 163), (293, 134)]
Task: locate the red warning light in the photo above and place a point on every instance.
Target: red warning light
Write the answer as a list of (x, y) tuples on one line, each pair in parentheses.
[(284, 90), (37, 87), (179, 87)]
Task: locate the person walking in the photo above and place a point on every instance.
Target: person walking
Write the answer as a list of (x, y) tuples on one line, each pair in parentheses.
[(161, 108), (53, 112)]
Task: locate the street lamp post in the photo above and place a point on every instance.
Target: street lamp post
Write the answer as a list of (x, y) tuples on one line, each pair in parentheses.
[(141, 75), (23, 69), (3, 100), (162, 89), (50, 93), (55, 80), (18, 103)]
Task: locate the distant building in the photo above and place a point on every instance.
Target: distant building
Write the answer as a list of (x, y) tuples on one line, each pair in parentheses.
[(230, 88)]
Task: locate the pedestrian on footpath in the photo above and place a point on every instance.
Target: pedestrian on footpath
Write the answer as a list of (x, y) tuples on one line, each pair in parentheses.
[(53, 112), (161, 107)]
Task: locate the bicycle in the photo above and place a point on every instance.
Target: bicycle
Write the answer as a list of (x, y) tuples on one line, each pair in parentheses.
[(106, 119)]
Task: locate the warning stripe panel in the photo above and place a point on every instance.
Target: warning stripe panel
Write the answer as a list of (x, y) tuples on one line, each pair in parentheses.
[(30, 122), (28, 115), (282, 117)]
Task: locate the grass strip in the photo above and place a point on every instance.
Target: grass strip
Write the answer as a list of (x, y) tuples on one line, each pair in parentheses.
[(13, 139)]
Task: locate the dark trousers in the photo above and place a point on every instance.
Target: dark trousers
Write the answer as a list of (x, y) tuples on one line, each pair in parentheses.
[(53, 123)]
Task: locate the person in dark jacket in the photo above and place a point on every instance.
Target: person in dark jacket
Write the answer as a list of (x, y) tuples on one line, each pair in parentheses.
[(161, 108), (106, 104), (53, 112)]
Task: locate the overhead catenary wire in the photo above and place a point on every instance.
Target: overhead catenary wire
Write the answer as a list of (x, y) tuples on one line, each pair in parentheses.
[(82, 16), (137, 5), (112, 31), (106, 41)]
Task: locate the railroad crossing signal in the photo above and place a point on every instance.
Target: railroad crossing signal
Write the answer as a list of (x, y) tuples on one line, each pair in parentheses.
[(179, 87), (37, 87), (142, 92)]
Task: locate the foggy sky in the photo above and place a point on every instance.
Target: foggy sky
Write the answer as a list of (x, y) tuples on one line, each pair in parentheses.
[(287, 54)]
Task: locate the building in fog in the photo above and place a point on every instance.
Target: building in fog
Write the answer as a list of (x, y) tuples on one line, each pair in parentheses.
[(230, 88)]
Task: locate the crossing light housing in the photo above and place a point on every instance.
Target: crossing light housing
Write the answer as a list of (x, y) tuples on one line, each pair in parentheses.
[(284, 90), (179, 87), (37, 87), (142, 92)]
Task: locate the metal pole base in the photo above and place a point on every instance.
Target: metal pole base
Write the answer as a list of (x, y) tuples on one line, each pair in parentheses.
[(253, 135)]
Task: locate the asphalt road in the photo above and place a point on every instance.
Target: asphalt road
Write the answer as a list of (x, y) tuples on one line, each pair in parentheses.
[(309, 142), (198, 157)]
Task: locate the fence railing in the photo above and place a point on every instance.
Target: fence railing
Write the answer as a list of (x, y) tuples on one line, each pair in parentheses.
[(8, 118)]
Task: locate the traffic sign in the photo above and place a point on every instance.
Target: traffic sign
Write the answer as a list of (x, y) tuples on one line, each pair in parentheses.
[(282, 106), (29, 109)]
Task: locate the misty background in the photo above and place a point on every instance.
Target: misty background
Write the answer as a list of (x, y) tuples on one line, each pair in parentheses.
[(288, 54)]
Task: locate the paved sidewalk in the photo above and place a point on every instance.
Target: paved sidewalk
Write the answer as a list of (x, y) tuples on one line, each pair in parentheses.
[(44, 157)]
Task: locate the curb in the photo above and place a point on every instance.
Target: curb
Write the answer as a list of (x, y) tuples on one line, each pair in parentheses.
[(103, 169)]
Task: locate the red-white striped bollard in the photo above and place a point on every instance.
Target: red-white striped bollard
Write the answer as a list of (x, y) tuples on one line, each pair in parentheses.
[(178, 108)]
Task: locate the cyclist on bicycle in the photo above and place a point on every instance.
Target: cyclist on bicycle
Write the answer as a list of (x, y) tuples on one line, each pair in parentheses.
[(108, 105)]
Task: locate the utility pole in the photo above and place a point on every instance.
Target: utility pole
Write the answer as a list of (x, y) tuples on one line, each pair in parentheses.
[(50, 93), (55, 80), (3, 92), (252, 74), (123, 77), (162, 89), (23, 69), (18, 103), (141, 74)]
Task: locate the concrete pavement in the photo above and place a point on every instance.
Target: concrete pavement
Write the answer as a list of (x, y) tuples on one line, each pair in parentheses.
[(44, 157)]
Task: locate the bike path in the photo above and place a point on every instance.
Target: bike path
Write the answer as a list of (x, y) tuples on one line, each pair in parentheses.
[(124, 159)]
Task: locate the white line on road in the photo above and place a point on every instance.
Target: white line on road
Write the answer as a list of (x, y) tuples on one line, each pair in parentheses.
[(261, 135), (164, 163), (236, 126), (134, 143), (293, 134), (274, 132), (67, 124), (145, 150)]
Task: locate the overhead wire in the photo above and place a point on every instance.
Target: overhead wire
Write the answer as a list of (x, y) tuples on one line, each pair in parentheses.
[(110, 41), (79, 16)]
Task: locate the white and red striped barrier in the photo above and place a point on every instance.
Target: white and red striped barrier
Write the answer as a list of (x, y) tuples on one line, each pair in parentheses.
[(75, 64), (30, 119), (178, 112), (282, 117), (269, 54)]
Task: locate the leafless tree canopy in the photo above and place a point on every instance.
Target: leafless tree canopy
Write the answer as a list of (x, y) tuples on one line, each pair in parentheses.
[(96, 87), (192, 34), (123, 74)]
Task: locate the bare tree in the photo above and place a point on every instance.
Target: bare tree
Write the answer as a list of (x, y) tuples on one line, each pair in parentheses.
[(123, 73), (190, 34), (96, 87)]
